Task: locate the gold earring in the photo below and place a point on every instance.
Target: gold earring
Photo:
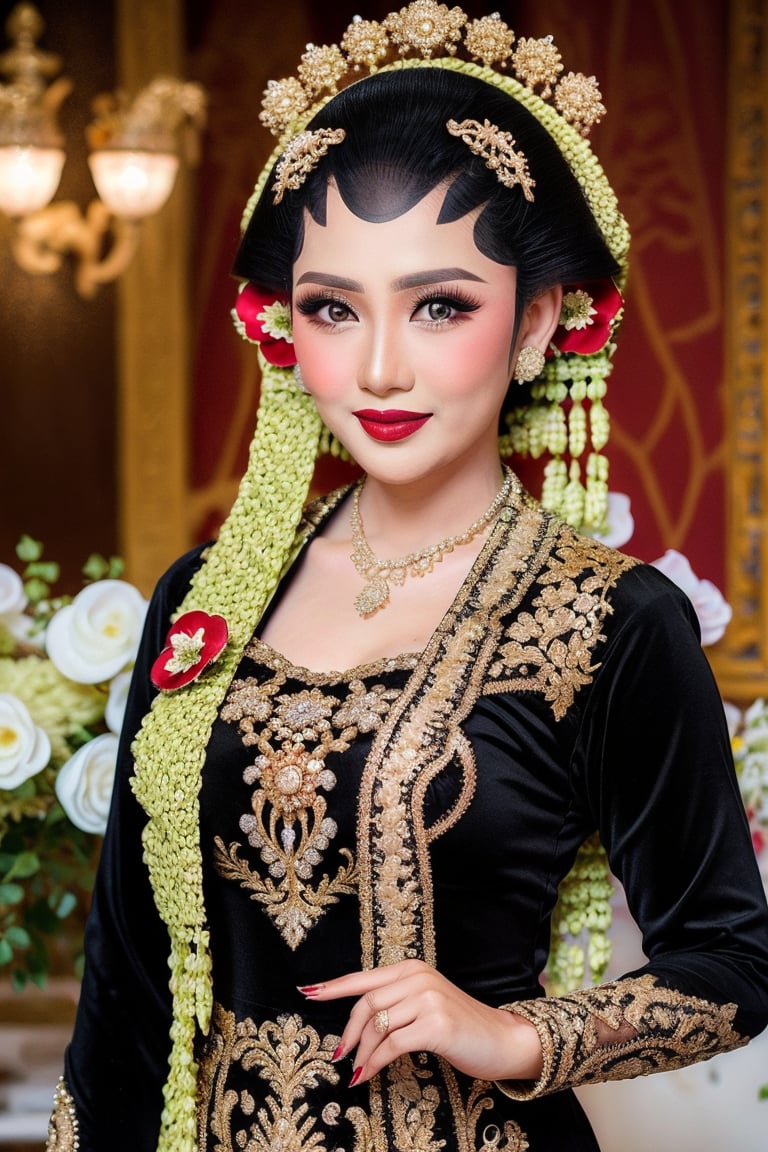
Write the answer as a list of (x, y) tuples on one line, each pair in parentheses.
[(530, 363)]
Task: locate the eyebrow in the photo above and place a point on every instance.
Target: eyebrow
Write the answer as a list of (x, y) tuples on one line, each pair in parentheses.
[(414, 280), (418, 279)]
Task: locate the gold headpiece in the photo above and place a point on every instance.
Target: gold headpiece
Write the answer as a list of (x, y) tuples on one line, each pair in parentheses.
[(425, 28), (301, 156), (497, 148)]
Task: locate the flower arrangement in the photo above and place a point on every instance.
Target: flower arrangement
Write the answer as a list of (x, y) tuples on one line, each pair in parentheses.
[(64, 673)]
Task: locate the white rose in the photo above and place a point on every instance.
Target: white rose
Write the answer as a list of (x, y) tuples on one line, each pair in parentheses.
[(12, 598), (97, 635), (84, 783), (12, 604), (24, 747), (118, 697), (712, 609), (621, 523)]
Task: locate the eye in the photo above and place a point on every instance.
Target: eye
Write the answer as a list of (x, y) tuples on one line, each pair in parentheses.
[(337, 312), (325, 310), (442, 310), (438, 310)]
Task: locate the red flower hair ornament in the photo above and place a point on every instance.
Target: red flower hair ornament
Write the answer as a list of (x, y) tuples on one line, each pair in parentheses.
[(192, 643), (588, 313), (264, 318)]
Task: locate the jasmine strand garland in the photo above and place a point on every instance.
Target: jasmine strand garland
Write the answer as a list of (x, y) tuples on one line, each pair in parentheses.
[(236, 581)]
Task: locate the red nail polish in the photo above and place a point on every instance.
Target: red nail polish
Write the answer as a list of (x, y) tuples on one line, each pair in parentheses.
[(309, 989), (337, 1054), (355, 1076)]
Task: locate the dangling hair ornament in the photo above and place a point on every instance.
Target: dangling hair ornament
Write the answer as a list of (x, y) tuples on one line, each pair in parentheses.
[(555, 419), (497, 148)]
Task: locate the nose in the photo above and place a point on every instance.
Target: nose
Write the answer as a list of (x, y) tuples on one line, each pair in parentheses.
[(385, 365)]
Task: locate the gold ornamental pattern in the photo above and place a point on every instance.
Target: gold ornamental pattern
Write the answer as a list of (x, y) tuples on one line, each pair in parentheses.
[(293, 1061), (289, 823)]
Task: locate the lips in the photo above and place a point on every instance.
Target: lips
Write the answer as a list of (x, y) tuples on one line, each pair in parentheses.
[(392, 424)]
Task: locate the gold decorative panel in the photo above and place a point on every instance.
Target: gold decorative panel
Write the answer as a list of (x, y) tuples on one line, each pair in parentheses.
[(741, 661)]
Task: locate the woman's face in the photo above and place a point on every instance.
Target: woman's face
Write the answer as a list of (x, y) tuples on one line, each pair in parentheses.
[(403, 331)]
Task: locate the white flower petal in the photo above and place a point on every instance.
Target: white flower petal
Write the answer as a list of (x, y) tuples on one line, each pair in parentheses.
[(711, 607), (114, 712), (84, 783), (24, 747), (98, 634), (621, 524), (12, 598), (732, 717)]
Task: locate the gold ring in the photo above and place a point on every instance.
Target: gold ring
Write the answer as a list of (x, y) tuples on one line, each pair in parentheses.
[(381, 1021)]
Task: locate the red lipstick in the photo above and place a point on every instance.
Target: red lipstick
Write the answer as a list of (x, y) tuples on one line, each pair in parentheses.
[(392, 424)]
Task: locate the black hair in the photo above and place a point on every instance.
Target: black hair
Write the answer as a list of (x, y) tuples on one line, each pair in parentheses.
[(397, 149)]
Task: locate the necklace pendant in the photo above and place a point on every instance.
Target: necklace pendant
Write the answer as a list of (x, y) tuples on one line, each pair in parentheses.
[(375, 595)]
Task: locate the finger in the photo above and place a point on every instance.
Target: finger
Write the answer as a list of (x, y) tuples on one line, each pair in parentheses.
[(358, 983), (380, 1027), (398, 1041), (374, 1002)]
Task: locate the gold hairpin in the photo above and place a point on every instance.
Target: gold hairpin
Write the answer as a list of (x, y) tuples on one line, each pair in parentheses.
[(497, 148), (301, 156)]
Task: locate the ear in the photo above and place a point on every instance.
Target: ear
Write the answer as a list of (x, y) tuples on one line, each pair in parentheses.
[(540, 319)]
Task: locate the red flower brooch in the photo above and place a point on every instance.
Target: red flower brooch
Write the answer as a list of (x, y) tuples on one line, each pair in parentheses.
[(265, 319), (588, 312), (192, 643)]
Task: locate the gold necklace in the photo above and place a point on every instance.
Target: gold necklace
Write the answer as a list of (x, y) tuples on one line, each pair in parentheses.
[(379, 574)]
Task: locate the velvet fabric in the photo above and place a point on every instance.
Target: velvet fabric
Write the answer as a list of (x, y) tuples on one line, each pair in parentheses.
[(642, 756)]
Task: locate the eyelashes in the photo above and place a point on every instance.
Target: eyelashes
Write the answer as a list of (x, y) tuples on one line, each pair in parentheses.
[(312, 305), (453, 300)]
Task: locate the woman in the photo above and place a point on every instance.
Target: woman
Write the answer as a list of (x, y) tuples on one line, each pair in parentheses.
[(358, 868)]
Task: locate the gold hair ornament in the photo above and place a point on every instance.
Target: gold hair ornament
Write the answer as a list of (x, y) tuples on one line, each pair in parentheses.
[(301, 156), (425, 28), (256, 542), (497, 148)]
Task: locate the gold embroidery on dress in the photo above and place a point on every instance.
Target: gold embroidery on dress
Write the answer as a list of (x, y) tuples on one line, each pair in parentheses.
[(551, 650), (63, 1126), (622, 1029), (528, 555), (288, 823), (293, 1059)]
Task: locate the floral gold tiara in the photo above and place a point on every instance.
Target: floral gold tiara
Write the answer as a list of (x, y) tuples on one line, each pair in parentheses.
[(424, 29)]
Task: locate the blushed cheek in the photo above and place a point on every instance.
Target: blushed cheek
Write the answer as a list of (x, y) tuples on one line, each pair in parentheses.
[(321, 368), (482, 362)]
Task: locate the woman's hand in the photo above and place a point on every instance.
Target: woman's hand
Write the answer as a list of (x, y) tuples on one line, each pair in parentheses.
[(409, 1007)]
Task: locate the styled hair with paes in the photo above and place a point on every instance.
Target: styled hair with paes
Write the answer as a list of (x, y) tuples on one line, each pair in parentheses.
[(397, 149)]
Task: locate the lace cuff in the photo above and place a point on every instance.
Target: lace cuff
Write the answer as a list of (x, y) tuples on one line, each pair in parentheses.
[(620, 1030), (62, 1127)]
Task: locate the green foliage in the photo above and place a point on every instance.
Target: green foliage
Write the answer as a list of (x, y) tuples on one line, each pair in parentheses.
[(97, 567), (47, 864)]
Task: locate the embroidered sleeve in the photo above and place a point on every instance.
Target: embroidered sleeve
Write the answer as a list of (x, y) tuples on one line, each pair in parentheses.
[(619, 1030), (62, 1126)]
